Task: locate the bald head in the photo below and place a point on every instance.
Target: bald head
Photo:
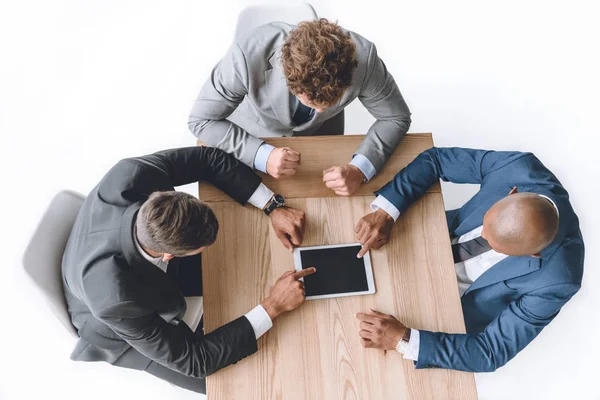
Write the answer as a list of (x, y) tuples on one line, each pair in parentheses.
[(520, 224)]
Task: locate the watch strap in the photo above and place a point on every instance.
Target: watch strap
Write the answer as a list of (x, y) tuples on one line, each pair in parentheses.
[(402, 344)]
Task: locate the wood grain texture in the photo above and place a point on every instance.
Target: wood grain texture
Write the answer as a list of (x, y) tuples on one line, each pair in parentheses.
[(314, 352), (321, 152)]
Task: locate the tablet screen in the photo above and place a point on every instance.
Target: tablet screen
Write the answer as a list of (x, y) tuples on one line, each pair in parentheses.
[(338, 271)]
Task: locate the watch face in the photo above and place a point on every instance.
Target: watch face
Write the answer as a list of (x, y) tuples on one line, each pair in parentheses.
[(279, 199)]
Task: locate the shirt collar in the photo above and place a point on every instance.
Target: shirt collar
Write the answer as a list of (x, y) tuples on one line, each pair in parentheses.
[(154, 260), (551, 201)]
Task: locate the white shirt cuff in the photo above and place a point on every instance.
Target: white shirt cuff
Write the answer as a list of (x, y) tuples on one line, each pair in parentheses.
[(261, 196), (262, 156), (260, 321), (366, 167), (412, 351), (385, 205)]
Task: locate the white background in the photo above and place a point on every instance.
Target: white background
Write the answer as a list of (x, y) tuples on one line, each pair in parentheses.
[(86, 83)]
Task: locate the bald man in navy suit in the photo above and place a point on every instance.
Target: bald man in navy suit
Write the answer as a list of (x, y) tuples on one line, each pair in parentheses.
[(518, 256)]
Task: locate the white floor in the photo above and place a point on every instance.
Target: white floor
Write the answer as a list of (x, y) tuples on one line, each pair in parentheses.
[(86, 83)]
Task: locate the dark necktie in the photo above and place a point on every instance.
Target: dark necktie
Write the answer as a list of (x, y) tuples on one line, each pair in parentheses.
[(302, 114), (469, 249)]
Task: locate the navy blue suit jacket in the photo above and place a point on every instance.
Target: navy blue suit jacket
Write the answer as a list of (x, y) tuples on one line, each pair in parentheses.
[(508, 306)]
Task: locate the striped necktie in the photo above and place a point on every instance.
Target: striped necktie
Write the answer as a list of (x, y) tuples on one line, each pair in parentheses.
[(469, 249)]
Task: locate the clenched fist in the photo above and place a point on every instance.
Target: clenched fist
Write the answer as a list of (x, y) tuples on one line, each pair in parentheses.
[(283, 161), (344, 180)]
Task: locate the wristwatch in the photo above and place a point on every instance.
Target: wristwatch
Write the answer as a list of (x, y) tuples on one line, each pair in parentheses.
[(277, 201), (402, 344)]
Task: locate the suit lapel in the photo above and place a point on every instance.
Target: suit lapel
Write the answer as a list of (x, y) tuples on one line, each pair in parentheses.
[(509, 268), (279, 95)]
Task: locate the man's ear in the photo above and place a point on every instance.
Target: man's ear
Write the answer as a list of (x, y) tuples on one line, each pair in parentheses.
[(167, 257), (513, 191)]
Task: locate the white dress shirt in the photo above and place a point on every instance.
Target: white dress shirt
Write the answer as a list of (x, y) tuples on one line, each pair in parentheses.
[(258, 316), (467, 271)]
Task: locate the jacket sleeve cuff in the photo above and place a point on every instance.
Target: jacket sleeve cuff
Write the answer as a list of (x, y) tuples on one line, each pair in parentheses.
[(385, 205), (262, 156), (260, 321), (366, 167), (261, 196), (412, 351)]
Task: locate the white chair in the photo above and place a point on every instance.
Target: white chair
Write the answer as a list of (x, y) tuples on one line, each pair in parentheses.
[(253, 16), (43, 256)]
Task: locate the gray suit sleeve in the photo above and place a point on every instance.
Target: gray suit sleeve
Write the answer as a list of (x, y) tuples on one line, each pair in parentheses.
[(381, 96), (218, 99)]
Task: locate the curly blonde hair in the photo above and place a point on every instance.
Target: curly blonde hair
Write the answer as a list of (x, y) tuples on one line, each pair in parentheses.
[(319, 60)]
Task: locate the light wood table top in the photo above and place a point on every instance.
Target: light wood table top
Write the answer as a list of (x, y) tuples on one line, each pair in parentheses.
[(321, 152), (314, 352)]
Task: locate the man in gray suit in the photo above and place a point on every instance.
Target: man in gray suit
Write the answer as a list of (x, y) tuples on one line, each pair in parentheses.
[(284, 80), (134, 253)]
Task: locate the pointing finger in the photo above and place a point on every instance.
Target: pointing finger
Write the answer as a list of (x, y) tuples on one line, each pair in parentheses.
[(305, 272), (362, 251), (367, 246)]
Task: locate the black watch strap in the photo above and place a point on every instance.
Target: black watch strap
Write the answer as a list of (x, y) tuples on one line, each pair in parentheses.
[(277, 201)]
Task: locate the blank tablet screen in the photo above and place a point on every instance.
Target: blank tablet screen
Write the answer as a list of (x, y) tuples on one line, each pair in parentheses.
[(338, 271)]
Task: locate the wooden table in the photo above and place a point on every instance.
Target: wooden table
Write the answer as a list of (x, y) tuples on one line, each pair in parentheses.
[(314, 352)]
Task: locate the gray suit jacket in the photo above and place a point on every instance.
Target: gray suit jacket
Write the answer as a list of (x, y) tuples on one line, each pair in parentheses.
[(247, 97), (119, 301)]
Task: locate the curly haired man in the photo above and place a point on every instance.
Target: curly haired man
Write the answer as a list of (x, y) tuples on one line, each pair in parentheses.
[(285, 80)]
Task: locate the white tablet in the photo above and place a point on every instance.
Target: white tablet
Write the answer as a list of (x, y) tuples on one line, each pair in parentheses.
[(339, 272)]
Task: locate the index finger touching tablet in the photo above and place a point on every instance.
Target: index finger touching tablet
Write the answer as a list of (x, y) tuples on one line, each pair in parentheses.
[(305, 272)]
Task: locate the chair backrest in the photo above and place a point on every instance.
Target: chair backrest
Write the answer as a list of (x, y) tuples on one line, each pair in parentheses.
[(254, 16), (43, 256)]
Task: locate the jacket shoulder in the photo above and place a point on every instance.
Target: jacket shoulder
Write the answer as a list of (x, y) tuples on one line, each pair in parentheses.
[(264, 40), (106, 283), (566, 262)]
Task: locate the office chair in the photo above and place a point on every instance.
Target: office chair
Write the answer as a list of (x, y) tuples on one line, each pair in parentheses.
[(43, 256)]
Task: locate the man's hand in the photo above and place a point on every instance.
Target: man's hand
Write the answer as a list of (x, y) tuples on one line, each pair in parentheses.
[(283, 161), (380, 331), (344, 180), (373, 231), (288, 224), (287, 293)]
